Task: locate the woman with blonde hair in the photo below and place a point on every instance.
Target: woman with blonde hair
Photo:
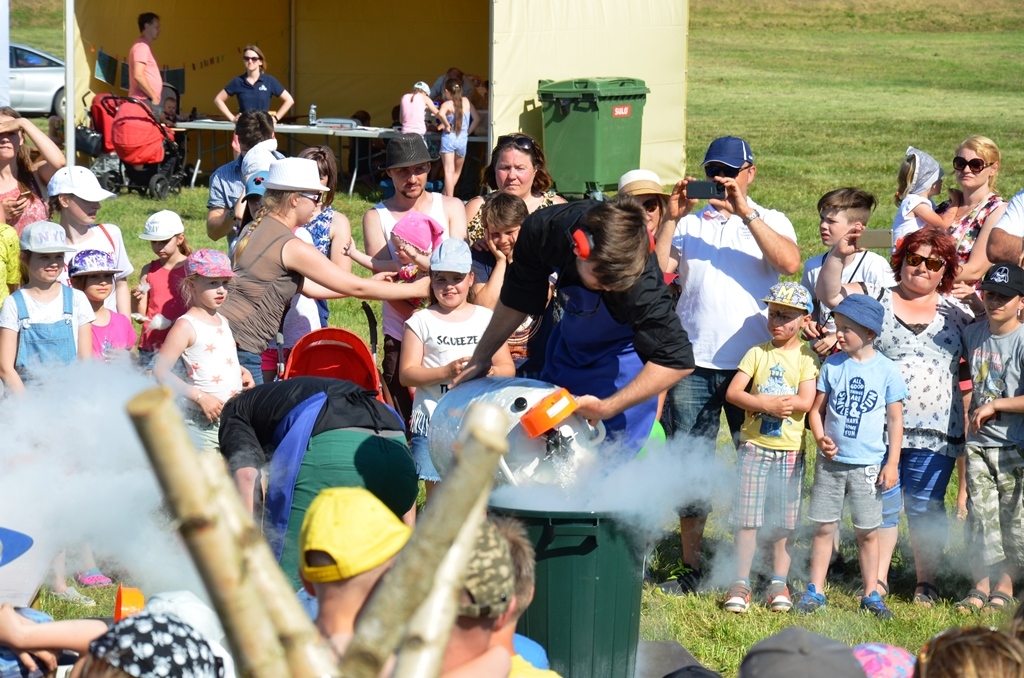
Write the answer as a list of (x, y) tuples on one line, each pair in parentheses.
[(273, 265), (22, 183), (254, 88), (976, 206)]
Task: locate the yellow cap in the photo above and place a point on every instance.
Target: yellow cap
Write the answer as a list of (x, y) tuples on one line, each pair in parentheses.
[(352, 526)]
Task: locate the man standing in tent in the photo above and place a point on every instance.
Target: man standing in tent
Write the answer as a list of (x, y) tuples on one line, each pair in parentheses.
[(619, 342), (144, 81)]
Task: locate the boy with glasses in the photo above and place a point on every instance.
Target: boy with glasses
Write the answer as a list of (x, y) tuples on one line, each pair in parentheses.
[(723, 251), (771, 458)]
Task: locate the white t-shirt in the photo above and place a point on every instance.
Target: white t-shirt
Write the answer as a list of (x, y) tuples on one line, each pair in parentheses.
[(905, 222), (443, 342), (1013, 220), (724, 276), (48, 312), (867, 267), (96, 240), (212, 360)]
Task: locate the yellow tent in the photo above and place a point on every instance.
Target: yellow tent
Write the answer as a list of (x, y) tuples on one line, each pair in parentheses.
[(345, 56)]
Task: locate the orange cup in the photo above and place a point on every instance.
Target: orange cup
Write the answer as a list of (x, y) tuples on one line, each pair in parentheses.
[(548, 413), (129, 601)]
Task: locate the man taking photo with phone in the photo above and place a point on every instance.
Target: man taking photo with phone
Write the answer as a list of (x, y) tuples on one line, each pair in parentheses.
[(728, 254)]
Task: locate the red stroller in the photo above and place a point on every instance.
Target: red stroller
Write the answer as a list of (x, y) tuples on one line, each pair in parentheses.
[(152, 162), (334, 352)]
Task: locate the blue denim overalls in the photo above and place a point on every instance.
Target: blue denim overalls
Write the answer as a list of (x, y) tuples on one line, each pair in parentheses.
[(45, 343)]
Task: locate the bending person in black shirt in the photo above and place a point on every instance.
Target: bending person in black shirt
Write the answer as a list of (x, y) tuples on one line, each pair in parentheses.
[(618, 342), (314, 433)]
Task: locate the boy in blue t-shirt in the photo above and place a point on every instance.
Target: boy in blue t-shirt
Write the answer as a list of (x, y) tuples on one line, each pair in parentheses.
[(860, 394)]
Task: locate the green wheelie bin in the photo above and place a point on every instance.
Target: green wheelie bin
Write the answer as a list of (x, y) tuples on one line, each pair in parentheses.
[(592, 129)]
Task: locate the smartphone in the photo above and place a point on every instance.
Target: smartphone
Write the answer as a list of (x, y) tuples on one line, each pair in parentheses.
[(703, 190), (875, 239)]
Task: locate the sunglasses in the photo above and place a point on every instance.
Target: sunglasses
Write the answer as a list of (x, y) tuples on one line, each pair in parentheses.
[(933, 264), (249, 58), (651, 204), (315, 197), (976, 164), (717, 170), (520, 141)]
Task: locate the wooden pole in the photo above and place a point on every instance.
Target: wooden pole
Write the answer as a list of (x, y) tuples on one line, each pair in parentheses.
[(426, 638), (250, 631), (405, 587), (309, 655)]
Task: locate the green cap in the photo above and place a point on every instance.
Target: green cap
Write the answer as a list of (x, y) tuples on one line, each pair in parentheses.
[(489, 578)]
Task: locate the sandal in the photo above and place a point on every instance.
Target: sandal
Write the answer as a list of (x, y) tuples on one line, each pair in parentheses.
[(93, 578), (71, 595), (1004, 602), (882, 589), (928, 596), (972, 603)]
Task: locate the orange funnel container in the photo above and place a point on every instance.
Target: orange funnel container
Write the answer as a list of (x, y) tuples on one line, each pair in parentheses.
[(129, 601), (548, 413)]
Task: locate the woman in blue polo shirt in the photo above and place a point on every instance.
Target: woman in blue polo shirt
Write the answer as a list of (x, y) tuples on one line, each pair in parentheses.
[(254, 89)]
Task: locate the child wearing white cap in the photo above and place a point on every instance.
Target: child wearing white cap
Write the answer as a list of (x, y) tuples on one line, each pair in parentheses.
[(44, 323), (158, 297), (438, 342), (414, 107), (76, 194)]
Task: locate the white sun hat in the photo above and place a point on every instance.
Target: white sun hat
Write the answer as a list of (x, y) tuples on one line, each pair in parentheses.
[(78, 181), (294, 174)]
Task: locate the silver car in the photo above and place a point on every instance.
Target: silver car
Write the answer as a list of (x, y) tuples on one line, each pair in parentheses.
[(37, 81)]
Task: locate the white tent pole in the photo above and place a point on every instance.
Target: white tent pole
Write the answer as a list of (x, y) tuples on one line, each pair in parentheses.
[(69, 81)]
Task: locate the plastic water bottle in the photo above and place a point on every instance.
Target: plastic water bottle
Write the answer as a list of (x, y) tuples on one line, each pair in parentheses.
[(312, 115)]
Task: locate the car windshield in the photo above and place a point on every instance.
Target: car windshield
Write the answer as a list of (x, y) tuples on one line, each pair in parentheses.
[(22, 58)]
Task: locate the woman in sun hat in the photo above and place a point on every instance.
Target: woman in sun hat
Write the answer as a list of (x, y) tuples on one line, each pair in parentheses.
[(646, 187), (272, 264), (76, 194)]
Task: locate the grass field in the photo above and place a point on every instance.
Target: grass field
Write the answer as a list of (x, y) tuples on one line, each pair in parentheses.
[(828, 94)]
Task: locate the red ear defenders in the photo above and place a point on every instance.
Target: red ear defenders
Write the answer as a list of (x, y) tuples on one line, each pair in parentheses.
[(584, 241)]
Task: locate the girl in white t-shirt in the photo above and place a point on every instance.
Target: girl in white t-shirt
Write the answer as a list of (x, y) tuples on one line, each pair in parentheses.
[(202, 339), (438, 342), (76, 194), (44, 322), (919, 179)]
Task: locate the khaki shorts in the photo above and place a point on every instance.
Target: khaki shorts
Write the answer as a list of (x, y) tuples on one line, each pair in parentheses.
[(835, 482), (995, 518)]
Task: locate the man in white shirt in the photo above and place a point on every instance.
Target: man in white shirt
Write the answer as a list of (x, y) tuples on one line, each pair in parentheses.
[(1004, 242), (728, 254)]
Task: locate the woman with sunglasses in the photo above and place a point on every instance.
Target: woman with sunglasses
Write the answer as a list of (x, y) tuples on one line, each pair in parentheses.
[(254, 89), (646, 187), (920, 333), (976, 207), (517, 168), (272, 264)]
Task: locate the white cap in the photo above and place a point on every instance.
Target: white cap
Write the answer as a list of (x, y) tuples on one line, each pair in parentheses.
[(77, 181), (422, 86), (294, 174), (44, 237), (163, 225)]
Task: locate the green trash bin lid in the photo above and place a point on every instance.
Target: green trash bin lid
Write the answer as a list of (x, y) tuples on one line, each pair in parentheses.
[(591, 88)]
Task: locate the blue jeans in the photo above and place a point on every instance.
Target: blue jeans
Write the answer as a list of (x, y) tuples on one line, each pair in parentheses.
[(252, 362), (421, 455), (920, 492), (694, 407)]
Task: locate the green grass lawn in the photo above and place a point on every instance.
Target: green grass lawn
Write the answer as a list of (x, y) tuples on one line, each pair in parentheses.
[(828, 94)]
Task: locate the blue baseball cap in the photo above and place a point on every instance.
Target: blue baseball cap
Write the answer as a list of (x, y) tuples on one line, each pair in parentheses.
[(730, 151), (452, 255), (255, 184), (863, 310)]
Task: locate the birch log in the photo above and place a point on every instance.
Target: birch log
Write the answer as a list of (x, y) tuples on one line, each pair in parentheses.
[(251, 634), (404, 588)]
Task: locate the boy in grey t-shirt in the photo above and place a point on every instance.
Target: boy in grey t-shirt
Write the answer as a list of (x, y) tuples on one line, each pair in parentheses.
[(995, 351)]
